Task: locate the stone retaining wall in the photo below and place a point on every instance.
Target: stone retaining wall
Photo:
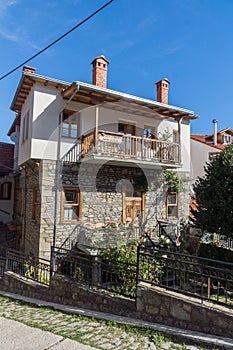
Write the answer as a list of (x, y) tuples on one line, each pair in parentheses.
[(64, 291), (153, 304), (174, 309)]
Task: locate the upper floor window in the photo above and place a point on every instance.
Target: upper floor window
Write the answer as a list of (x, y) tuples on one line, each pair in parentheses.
[(149, 132), (175, 136), (172, 204), (69, 124), (5, 190), (226, 139), (25, 127), (126, 128)]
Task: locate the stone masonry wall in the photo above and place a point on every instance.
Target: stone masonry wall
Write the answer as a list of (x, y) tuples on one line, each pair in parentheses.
[(101, 186), (153, 304), (25, 183), (156, 304)]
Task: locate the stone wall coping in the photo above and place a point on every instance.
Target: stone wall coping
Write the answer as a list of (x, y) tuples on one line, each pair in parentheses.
[(188, 299)]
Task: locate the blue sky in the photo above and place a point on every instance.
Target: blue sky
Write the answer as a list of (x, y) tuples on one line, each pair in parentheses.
[(187, 41)]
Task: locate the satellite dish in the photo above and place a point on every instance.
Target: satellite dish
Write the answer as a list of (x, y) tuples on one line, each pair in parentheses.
[(14, 137)]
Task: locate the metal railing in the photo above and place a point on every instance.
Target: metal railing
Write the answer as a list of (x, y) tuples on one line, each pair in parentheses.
[(204, 278), (36, 269), (118, 277)]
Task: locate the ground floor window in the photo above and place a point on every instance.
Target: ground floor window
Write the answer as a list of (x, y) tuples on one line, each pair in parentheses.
[(5, 190), (172, 204), (71, 204)]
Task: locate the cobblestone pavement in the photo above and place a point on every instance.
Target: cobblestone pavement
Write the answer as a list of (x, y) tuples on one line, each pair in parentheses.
[(99, 334)]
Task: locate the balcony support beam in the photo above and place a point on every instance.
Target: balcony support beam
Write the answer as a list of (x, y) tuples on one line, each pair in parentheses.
[(96, 125), (179, 120)]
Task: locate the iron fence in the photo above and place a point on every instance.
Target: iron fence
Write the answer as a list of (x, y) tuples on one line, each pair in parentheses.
[(91, 269), (205, 278), (2, 265), (36, 269)]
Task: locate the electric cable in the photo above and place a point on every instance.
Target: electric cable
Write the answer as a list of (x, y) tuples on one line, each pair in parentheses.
[(58, 39)]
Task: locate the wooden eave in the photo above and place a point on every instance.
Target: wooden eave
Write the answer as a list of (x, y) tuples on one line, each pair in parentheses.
[(26, 83), (88, 95)]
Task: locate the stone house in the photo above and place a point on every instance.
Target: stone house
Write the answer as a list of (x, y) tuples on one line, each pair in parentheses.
[(89, 161)]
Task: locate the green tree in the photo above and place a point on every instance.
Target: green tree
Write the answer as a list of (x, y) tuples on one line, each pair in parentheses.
[(214, 195)]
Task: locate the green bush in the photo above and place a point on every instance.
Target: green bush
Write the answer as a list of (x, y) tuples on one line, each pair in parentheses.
[(211, 251)]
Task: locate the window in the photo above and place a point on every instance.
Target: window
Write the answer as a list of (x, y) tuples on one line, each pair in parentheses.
[(149, 132), (175, 136), (25, 127), (71, 204), (34, 203), (126, 128), (5, 190), (69, 124), (172, 204)]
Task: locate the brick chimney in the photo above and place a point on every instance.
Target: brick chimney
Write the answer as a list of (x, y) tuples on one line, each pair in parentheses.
[(29, 69), (99, 71), (162, 90)]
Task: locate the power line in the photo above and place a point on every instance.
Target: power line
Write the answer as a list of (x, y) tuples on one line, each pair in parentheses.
[(58, 39)]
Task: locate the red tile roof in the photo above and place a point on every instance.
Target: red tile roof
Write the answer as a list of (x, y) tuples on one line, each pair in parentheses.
[(6, 158), (208, 140)]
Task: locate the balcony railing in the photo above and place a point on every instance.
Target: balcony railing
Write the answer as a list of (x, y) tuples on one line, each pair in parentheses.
[(125, 146)]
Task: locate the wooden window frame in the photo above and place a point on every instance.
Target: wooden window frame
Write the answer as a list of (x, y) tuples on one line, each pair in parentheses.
[(68, 114), (124, 206), (125, 124), (78, 204), (172, 205), (5, 190), (25, 128)]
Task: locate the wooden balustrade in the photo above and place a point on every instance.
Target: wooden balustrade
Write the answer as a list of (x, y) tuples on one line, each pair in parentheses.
[(117, 145)]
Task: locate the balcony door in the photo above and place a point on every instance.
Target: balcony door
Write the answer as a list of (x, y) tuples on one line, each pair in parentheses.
[(133, 205), (129, 140)]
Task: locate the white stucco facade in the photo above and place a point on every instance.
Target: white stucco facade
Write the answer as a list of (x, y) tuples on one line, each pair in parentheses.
[(40, 116), (199, 156)]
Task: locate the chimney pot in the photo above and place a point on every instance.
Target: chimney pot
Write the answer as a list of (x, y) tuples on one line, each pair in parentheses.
[(29, 69), (162, 87), (99, 71), (215, 122)]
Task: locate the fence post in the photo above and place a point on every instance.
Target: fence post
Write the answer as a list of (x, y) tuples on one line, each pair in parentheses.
[(52, 261)]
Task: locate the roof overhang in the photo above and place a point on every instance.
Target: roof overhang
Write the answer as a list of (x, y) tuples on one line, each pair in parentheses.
[(93, 95), (26, 83)]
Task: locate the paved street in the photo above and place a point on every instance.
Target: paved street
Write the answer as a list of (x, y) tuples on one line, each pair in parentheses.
[(56, 330), (17, 336)]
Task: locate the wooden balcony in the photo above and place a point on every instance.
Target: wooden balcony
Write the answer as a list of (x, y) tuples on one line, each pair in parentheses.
[(117, 146)]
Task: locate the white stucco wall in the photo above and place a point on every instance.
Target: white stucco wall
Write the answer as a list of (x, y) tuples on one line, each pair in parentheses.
[(44, 104), (199, 155)]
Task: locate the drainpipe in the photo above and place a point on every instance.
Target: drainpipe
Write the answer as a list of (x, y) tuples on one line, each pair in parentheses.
[(58, 164), (24, 208), (215, 122)]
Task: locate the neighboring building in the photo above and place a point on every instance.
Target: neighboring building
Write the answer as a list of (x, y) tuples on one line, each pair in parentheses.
[(203, 147), (6, 181), (89, 158)]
